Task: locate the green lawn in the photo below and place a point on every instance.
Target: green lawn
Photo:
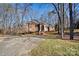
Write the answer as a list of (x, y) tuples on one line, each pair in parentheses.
[(56, 47)]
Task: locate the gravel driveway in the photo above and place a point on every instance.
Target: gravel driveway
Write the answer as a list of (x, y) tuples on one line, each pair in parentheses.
[(17, 46)]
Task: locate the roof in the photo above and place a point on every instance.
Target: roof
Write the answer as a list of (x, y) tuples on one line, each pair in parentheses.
[(38, 22), (33, 21)]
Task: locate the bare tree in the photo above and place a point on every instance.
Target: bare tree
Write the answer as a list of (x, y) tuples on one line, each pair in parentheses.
[(5, 17), (71, 21), (62, 19), (60, 13), (59, 17)]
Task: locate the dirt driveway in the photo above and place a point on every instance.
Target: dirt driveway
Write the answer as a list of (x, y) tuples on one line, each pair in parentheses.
[(17, 46)]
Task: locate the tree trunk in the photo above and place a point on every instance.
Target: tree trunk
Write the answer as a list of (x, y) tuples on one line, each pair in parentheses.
[(71, 21), (58, 22), (62, 20)]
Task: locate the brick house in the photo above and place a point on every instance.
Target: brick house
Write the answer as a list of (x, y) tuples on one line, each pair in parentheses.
[(35, 26)]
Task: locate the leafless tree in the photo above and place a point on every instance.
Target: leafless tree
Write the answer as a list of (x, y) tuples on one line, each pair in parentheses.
[(71, 21)]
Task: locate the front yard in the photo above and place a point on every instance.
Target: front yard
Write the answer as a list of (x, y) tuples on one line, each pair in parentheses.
[(56, 47), (38, 45)]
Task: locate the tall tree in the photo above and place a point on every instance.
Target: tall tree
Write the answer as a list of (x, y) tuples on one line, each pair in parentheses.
[(5, 8), (59, 17), (60, 13), (71, 21), (62, 19)]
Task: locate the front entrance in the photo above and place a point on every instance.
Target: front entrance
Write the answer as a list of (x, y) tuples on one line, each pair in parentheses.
[(42, 28)]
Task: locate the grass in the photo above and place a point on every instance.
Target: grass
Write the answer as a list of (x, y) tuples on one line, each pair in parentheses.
[(75, 30), (51, 47)]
